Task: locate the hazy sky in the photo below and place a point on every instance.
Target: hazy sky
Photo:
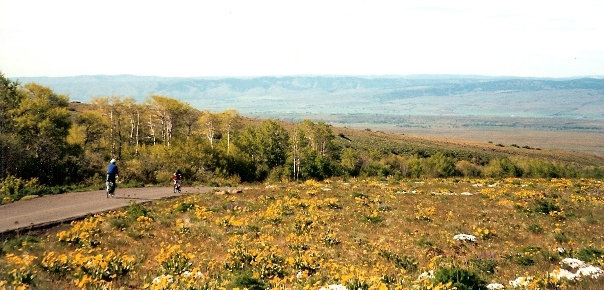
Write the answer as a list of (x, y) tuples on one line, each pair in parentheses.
[(251, 38)]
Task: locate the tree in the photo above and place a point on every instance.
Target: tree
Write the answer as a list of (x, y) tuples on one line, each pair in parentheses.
[(209, 124), (112, 108), (9, 100), (440, 165), (41, 124), (264, 147), (231, 121), (168, 113)]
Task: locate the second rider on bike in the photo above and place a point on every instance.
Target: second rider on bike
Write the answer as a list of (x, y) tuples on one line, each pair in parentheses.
[(177, 177)]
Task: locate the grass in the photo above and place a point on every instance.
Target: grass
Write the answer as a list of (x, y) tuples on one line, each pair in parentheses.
[(357, 233)]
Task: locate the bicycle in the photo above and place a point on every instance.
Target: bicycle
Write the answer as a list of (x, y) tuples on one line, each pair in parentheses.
[(110, 188), (177, 183)]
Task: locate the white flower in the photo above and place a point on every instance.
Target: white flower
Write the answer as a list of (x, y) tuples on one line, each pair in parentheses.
[(573, 263), (334, 287), (495, 286), (300, 275), (426, 275), (521, 282), (561, 250), (563, 273), (464, 237), (163, 279), (591, 271)]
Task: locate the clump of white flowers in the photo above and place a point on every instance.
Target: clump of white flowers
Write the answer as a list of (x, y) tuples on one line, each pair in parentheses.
[(464, 237), (334, 287), (573, 263), (584, 270), (426, 275), (495, 286), (521, 282)]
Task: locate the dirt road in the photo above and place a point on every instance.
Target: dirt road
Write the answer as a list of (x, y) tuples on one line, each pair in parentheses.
[(27, 215)]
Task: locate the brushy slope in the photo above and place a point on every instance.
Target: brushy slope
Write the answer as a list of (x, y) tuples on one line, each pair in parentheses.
[(361, 234)]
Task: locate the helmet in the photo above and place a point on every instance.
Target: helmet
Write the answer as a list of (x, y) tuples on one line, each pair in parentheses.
[(112, 161)]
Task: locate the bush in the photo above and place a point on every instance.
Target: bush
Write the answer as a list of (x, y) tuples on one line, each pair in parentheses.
[(440, 165), (14, 188), (248, 282), (590, 254), (467, 169), (545, 206), (462, 279), (503, 167)]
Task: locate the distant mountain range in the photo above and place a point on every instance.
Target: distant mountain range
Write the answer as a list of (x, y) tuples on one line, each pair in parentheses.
[(391, 95)]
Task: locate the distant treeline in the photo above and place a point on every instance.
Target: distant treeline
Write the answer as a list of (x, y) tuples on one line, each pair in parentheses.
[(48, 143)]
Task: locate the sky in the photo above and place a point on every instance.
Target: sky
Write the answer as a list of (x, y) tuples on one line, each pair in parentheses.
[(260, 38)]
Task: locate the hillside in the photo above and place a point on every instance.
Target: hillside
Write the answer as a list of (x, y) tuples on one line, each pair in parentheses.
[(401, 144), (343, 95), (337, 234)]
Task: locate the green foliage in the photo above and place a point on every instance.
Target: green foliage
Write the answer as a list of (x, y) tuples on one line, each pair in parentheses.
[(468, 169), (488, 266), (136, 210), (440, 165), (545, 206), (590, 254), (416, 167), (14, 188), (247, 281), (462, 279), (535, 228), (405, 262), (502, 167)]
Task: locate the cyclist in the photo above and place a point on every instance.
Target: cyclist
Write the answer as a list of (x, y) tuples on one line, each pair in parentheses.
[(112, 172), (177, 177)]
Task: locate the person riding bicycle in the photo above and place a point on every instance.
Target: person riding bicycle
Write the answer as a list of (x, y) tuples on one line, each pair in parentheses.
[(112, 172), (177, 177)]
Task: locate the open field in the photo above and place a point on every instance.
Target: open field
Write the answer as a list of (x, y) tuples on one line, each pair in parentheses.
[(577, 135), (362, 234), (574, 141)]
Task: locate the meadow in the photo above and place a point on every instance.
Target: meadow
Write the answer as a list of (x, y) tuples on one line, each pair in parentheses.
[(352, 233)]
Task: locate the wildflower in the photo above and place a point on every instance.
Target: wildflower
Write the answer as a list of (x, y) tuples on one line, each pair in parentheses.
[(426, 275), (561, 250), (563, 273), (573, 263), (334, 287), (464, 237), (161, 282), (521, 282), (495, 286), (299, 275), (590, 271)]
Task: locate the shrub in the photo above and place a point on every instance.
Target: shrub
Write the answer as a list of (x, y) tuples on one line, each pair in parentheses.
[(545, 206), (590, 254), (503, 167), (467, 169), (247, 281), (14, 188), (485, 265), (462, 279), (535, 228), (440, 165)]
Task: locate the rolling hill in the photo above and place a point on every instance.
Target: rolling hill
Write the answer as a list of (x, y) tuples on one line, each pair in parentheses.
[(342, 95)]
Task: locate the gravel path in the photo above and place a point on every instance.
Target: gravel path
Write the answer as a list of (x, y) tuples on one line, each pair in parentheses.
[(46, 211)]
